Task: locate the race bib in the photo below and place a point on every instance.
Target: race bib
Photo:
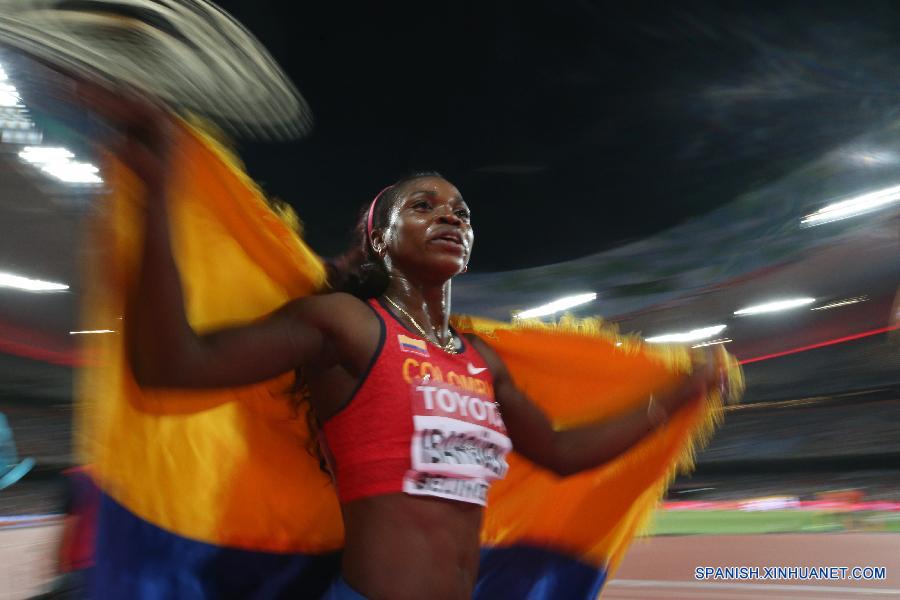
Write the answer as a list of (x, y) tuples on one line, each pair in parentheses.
[(459, 443)]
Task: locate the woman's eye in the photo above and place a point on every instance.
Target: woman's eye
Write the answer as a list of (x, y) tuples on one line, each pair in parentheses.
[(421, 204), (463, 214)]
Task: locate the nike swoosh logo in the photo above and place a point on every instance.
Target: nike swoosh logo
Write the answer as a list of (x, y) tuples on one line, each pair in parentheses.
[(473, 370)]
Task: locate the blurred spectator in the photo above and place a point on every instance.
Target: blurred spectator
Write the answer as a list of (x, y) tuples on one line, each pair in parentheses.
[(11, 468), (76, 548)]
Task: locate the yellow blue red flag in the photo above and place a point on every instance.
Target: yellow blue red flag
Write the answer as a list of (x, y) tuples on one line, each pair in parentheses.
[(212, 494)]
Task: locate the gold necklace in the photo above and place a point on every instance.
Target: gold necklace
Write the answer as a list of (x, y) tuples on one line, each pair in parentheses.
[(449, 347)]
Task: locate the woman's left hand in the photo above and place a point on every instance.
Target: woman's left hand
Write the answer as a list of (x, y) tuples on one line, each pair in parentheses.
[(711, 367)]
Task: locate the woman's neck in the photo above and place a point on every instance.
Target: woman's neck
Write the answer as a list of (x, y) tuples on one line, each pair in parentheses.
[(428, 305)]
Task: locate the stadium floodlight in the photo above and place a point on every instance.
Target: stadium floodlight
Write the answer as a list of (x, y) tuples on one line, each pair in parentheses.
[(58, 162), (555, 306), (90, 331), (845, 302), (26, 284), (776, 306), (42, 155), (713, 343), (852, 207), (694, 335), (9, 95), (73, 172)]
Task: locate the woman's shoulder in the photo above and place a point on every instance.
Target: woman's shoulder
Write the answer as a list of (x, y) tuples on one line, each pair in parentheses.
[(348, 329), (331, 308), (343, 299)]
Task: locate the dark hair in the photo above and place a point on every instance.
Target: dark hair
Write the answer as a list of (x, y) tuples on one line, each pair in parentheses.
[(360, 271)]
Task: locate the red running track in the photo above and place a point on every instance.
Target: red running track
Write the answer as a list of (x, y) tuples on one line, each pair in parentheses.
[(660, 567), (664, 567)]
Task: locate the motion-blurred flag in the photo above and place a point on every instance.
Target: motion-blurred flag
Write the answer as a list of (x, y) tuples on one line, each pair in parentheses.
[(213, 494)]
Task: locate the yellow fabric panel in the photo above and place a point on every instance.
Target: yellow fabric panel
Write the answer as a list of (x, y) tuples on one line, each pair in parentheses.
[(577, 373), (226, 466)]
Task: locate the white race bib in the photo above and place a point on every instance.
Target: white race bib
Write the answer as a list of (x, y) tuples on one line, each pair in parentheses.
[(459, 444)]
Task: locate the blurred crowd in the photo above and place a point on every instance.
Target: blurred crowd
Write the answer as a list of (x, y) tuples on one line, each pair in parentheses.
[(801, 447)]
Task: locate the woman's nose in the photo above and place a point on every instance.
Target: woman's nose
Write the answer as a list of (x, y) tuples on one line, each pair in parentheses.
[(446, 215)]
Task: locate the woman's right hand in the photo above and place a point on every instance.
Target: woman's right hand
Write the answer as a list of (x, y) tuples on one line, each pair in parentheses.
[(143, 130)]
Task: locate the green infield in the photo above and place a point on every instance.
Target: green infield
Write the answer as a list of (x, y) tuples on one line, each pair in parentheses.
[(736, 522)]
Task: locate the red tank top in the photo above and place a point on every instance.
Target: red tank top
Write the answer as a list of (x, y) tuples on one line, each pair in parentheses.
[(422, 421)]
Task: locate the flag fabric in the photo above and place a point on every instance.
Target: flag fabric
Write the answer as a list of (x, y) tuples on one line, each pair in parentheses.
[(213, 494)]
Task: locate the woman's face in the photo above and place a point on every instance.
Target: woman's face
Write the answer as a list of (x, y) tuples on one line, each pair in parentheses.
[(429, 233)]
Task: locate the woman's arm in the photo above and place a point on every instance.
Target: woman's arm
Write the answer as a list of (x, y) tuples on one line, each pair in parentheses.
[(569, 451), (163, 348)]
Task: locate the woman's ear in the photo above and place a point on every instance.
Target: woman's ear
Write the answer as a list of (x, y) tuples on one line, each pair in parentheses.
[(378, 244)]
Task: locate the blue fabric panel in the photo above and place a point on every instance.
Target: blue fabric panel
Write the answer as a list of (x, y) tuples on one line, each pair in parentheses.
[(523, 572), (341, 590), (139, 561)]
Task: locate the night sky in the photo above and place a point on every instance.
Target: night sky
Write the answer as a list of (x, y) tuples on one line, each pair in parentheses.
[(569, 127)]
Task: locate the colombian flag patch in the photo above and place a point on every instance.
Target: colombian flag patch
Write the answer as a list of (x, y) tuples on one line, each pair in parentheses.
[(412, 345)]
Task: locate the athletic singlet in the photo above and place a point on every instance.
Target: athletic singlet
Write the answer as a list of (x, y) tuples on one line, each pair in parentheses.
[(422, 421)]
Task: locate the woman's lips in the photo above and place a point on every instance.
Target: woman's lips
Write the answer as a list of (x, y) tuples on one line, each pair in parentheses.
[(448, 243)]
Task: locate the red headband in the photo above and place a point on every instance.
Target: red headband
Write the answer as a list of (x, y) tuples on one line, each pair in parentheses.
[(371, 215)]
